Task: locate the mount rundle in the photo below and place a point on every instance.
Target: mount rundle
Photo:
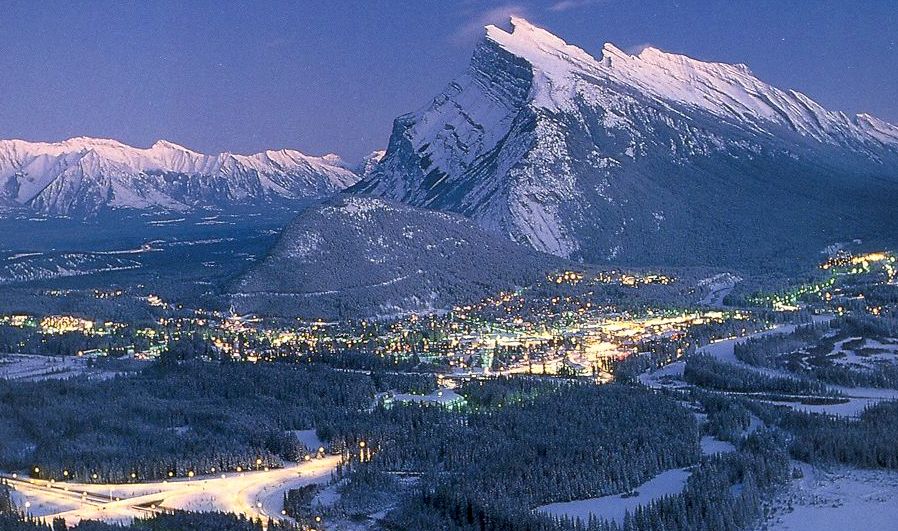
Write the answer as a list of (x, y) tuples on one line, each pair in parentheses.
[(643, 159)]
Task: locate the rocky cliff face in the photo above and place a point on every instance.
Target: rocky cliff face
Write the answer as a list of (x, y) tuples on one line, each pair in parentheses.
[(648, 159)]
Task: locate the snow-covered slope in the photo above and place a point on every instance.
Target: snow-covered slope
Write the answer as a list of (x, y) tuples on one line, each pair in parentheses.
[(730, 92), (44, 266), (363, 257), (82, 176), (648, 158)]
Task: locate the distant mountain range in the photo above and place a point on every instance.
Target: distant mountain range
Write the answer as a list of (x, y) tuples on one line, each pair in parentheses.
[(363, 257), (644, 159), (85, 176)]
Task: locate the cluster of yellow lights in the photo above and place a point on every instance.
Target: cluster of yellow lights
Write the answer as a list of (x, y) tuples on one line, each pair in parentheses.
[(61, 324), (566, 277), (18, 321), (632, 280), (861, 260)]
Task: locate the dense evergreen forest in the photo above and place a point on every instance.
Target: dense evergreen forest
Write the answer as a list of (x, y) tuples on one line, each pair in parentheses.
[(527, 442), (813, 351), (705, 371), (176, 418), (520, 442), (868, 442)]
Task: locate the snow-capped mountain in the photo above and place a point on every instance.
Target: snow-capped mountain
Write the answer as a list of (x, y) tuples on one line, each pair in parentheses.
[(361, 257), (83, 176), (648, 158)]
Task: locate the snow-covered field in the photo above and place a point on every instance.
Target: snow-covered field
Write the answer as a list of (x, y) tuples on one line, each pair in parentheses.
[(309, 438), (719, 286), (844, 499), (869, 355), (712, 446), (615, 507), (27, 367)]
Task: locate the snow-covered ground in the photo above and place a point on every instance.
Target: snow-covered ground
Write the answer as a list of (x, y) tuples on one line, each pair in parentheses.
[(310, 439), (877, 353), (27, 367), (722, 350), (845, 499), (851, 407), (615, 507), (713, 446)]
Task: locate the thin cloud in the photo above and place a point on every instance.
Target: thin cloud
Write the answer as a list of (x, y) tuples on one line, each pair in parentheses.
[(473, 29), (566, 5), (636, 49)]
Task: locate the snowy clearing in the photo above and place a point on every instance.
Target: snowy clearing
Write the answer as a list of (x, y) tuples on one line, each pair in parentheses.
[(846, 499), (712, 446), (615, 507)]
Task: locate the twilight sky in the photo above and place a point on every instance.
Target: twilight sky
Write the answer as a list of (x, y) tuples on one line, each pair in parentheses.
[(331, 76)]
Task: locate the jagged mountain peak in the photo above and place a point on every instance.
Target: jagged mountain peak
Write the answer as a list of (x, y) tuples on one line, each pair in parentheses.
[(163, 144), (369, 162), (83, 175), (563, 72), (652, 157), (535, 44)]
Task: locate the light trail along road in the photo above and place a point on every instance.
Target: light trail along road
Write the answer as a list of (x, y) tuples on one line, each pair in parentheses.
[(254, 494)]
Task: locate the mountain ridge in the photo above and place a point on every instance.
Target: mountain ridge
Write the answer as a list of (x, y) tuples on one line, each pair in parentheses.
[(644, 159), (82, 176)]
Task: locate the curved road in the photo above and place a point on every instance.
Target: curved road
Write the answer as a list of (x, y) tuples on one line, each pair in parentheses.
[(254, 494)]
